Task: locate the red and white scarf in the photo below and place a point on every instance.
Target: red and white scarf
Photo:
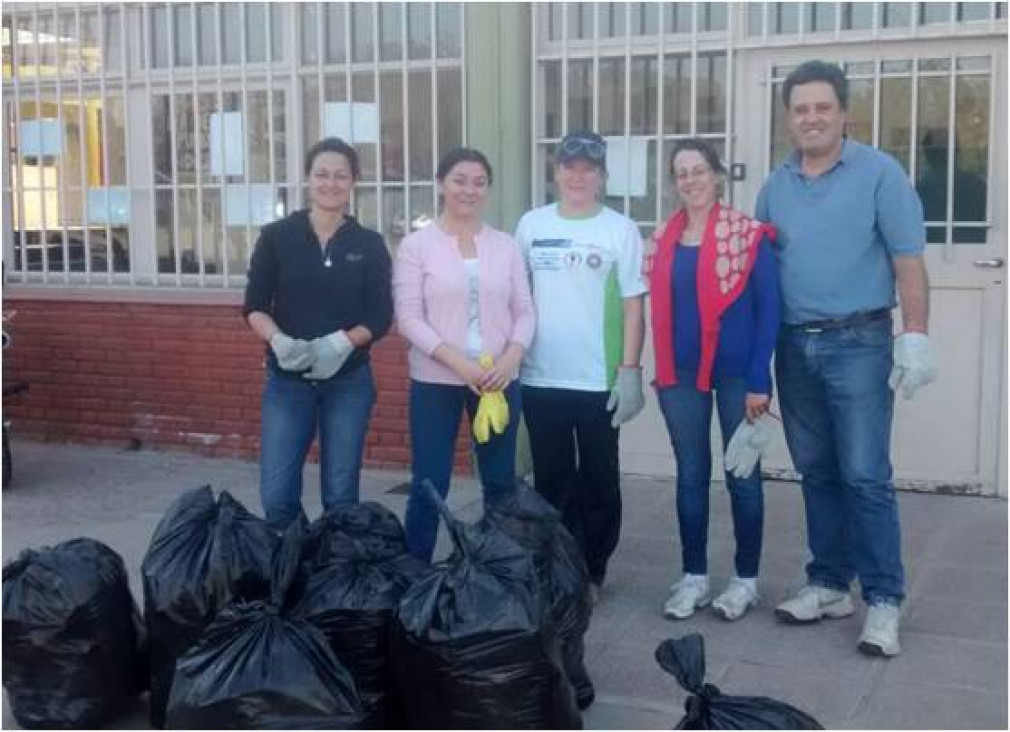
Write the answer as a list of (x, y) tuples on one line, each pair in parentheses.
[(729, 248)]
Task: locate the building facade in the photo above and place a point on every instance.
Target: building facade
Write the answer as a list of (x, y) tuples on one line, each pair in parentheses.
[(147, 143)]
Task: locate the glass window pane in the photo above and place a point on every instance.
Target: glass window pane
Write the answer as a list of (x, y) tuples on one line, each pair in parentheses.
[(362, 25), (551, 98), (932, 146), (310, 112), (677, 95), (645, 19), (449, 32), (580, 94), (934, 13), (610, 16), (207, 33), (860, 116), (335, 35), (781, 143), (755, 18), (643, 208), (902, 66), (207, 106), (366, 207), (644, 96), (967, 12), (183, 38), (971, 156), (259, 137), (162, 139), (308, 34), (113, 51), (611, 101), (715, 17), (363, 90), (857, 16), (895, 119), (164, 231), (213, 234), (91, 44), (231, 42), (158, 15), (394, 216), (256, 32), (7, 45), (70, 52), (390, 30), (786, 17), (73, 157), (185, 143), (280, 140), (554, 21), (678, 17), (820, 16), (419, 30), (1001, 10), (420, 127), (48, 56), (186, 234), (422, 206), (391, 106), (896, 15), (934, 64), (450, 110), (277, 34), (711, 92)]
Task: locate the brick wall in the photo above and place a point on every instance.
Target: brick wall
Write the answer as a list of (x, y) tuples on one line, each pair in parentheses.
[(179, 377)]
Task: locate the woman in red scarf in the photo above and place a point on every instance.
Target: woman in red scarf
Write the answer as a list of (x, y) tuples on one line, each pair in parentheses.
[(715, 319)]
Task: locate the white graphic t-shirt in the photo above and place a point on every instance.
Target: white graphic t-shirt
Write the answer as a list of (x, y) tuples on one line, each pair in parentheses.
[(580, 270)]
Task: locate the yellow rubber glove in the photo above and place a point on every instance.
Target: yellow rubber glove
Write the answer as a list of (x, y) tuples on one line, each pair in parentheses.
[(492, 410)]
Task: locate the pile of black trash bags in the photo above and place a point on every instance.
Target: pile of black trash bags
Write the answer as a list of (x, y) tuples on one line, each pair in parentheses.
[(330, 625)]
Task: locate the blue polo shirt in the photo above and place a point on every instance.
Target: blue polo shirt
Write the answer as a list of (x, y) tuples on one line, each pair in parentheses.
[(837, 232)]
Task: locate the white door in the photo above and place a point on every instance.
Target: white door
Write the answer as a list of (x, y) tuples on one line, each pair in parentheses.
[(929, 103)]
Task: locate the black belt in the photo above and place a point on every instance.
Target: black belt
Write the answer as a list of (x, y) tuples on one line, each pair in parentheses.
[(815, 326)]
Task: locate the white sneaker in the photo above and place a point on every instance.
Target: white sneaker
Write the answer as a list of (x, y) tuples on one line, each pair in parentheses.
[(739, 596), (687, 595), (812, 603), (880, 631)]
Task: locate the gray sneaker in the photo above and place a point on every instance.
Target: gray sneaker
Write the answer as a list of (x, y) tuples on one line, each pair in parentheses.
[(812, 603), (880, 631), (687, 595), (738, 597)]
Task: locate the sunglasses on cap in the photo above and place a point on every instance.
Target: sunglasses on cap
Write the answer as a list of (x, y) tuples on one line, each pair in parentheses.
[(578, 146)]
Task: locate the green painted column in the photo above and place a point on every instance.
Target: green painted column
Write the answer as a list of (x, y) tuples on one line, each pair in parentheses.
[(498, 64)]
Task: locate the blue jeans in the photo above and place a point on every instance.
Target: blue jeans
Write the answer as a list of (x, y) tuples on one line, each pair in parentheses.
[(837, 410), (688, 415), (435, 410), (292, 409)]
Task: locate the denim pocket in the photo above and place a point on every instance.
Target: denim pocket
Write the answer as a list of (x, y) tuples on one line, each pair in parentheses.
[(876, 334)]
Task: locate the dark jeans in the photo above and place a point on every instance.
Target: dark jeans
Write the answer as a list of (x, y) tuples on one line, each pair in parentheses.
[(688, 415), (435, 410), (292, 409), (575, 464), (837, 410)]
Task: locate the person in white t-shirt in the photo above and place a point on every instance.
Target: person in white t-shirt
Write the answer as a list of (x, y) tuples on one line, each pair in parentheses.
[(581, 376)]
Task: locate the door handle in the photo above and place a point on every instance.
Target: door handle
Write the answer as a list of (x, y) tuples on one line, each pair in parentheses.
[(994, 263)]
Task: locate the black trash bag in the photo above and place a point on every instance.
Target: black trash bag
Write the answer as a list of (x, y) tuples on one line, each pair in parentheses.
[(529, 519), (354, 574), (258, 667), (71, 646), (203, 554), (373, 525), (709, 708), (473, 644)]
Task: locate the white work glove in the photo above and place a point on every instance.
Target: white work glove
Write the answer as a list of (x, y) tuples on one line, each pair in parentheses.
[(331, 351), (914, 365), (293, 354), (626, 398), (748, 445)]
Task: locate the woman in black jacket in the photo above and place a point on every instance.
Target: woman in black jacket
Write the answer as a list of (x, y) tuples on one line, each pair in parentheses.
[(319, 294)]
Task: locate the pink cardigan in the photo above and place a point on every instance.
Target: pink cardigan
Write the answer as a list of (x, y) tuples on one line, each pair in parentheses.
[(430, 291)]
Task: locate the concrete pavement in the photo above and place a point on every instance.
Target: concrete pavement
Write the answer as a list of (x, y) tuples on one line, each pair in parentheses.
[(951, 675)]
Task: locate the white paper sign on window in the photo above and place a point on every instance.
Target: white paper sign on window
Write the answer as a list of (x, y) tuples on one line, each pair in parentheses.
[(40, 137), (109, 205), (353, 123), (627, 166), (227, 144), (254, 205)]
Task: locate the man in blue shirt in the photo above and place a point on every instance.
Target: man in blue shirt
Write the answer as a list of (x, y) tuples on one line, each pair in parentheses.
[(850, 232)]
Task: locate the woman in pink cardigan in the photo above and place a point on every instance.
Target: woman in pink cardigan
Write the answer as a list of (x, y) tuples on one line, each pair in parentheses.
[(461, 291)]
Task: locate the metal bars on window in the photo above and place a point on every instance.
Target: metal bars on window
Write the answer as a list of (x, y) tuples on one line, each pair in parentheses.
[(641, 87)]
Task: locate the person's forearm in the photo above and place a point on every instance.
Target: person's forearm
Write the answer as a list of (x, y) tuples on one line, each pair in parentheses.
[(913, 293), (262, 325), (634, 330)]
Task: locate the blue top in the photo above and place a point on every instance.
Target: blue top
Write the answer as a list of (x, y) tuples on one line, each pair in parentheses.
[(748, 327), (837, 232)]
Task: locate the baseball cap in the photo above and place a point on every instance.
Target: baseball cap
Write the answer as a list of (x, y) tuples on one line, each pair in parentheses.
[(582, 145)]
